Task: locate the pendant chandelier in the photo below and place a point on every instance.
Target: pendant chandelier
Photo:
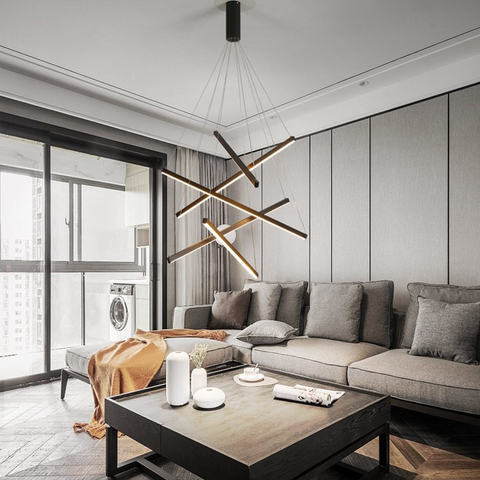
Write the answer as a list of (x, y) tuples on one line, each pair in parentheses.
[(249, 76)]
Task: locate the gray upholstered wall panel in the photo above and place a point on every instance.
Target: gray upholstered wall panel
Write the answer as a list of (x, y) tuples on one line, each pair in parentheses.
[(321, 204), (249, 238), (465, 186), (286, 257), (409, 196), (350, 202)]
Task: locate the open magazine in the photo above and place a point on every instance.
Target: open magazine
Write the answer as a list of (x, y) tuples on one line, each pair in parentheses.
[(310, 395)]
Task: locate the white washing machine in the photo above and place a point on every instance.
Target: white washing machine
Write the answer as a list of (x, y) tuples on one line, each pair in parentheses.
[(122, 311)]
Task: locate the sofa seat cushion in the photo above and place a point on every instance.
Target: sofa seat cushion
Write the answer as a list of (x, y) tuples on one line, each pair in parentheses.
[(77, 358), (242, 351), (425, 380), (318, 358)]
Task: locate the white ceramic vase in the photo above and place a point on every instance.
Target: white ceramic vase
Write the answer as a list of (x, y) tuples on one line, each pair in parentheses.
[(178, 378), (199, 379)]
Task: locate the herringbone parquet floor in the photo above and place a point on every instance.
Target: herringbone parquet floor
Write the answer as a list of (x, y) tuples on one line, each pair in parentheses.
[(37, 441)]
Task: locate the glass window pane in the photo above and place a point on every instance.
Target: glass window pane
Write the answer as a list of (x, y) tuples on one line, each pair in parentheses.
[(104, 234), (21, 238), (66, 315), (22, 324), (21, 217)]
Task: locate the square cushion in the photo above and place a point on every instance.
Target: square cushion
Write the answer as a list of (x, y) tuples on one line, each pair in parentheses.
[(291, 302), (230, 309), (77, 358), (317, 358), (424, 380), (377, 312), (444, 293), (266, 332), (265, 300), (447, 330), (335, 311)]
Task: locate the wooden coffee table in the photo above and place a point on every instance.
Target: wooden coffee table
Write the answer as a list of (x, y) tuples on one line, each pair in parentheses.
[(253, 436)]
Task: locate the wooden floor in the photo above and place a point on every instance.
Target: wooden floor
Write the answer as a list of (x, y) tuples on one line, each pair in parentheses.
[(37, 441)]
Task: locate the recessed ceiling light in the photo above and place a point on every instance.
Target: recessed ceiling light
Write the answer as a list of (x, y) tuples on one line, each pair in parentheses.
[(271, 117), (364, 83)]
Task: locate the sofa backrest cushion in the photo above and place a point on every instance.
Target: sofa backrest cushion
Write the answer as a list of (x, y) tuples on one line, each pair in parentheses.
[(292, 301), (377, 312), (265, 301), (230, 310), (335, 311), (443, 293)]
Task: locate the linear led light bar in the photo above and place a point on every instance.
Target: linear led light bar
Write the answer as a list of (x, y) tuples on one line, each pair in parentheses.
[(235, 253), (237, 160), (233, 203), (232, 228), (230, 180)]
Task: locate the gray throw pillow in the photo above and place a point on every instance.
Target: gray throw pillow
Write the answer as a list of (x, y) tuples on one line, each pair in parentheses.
[(335, 311), (291, 302), (443, 293), (376, 312), (266, 332), (230, 310), (447, 330), (265, 300)]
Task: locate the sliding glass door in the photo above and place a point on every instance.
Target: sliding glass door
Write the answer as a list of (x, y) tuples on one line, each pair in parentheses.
[(72, 224)]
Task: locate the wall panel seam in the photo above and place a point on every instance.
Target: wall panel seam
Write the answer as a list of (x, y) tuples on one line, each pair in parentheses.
[(309, 211), (331, 205), (448, 188), (370, 199)]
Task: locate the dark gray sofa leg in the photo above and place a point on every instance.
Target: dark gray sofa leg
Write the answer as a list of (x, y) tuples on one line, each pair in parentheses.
[(64, 380)]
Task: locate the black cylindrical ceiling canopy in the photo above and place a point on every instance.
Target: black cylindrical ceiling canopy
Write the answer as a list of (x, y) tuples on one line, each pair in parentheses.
[(233, 21)]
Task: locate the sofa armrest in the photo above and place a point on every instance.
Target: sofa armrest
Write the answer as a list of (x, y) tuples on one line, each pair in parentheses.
[(192, 316)]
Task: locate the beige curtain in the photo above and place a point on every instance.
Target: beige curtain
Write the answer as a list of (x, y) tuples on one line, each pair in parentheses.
[(199, 274), (188, 230), (215, 261)]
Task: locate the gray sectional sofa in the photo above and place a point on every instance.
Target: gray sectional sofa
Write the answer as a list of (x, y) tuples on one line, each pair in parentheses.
[(431, 385)]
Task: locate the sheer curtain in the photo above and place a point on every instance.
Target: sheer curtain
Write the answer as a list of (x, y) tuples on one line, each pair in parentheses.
[(199, 274), (215, 264)]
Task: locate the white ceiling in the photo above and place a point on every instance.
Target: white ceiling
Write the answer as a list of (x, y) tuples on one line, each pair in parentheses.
[(155, 56)]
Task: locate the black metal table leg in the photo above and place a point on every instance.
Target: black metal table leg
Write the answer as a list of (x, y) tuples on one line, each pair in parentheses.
[(384, 449), (111, 452)]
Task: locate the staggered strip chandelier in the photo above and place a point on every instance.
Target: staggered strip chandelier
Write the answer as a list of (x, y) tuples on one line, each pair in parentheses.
[(233, 12)]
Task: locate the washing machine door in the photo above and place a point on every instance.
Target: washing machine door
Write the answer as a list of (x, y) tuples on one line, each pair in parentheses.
[(118, 313)]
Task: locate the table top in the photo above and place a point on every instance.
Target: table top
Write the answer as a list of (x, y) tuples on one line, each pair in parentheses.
[(253, 426)]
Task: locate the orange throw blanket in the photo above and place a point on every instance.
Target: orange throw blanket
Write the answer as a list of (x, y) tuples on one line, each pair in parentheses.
[(129, 365)]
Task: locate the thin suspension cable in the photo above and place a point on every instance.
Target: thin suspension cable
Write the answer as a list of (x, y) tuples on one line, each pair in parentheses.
[(240, 80), (282, 172), (222, 99), (265, 91), (213, 96), (258, 103), (224, 51), (244, 149)]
